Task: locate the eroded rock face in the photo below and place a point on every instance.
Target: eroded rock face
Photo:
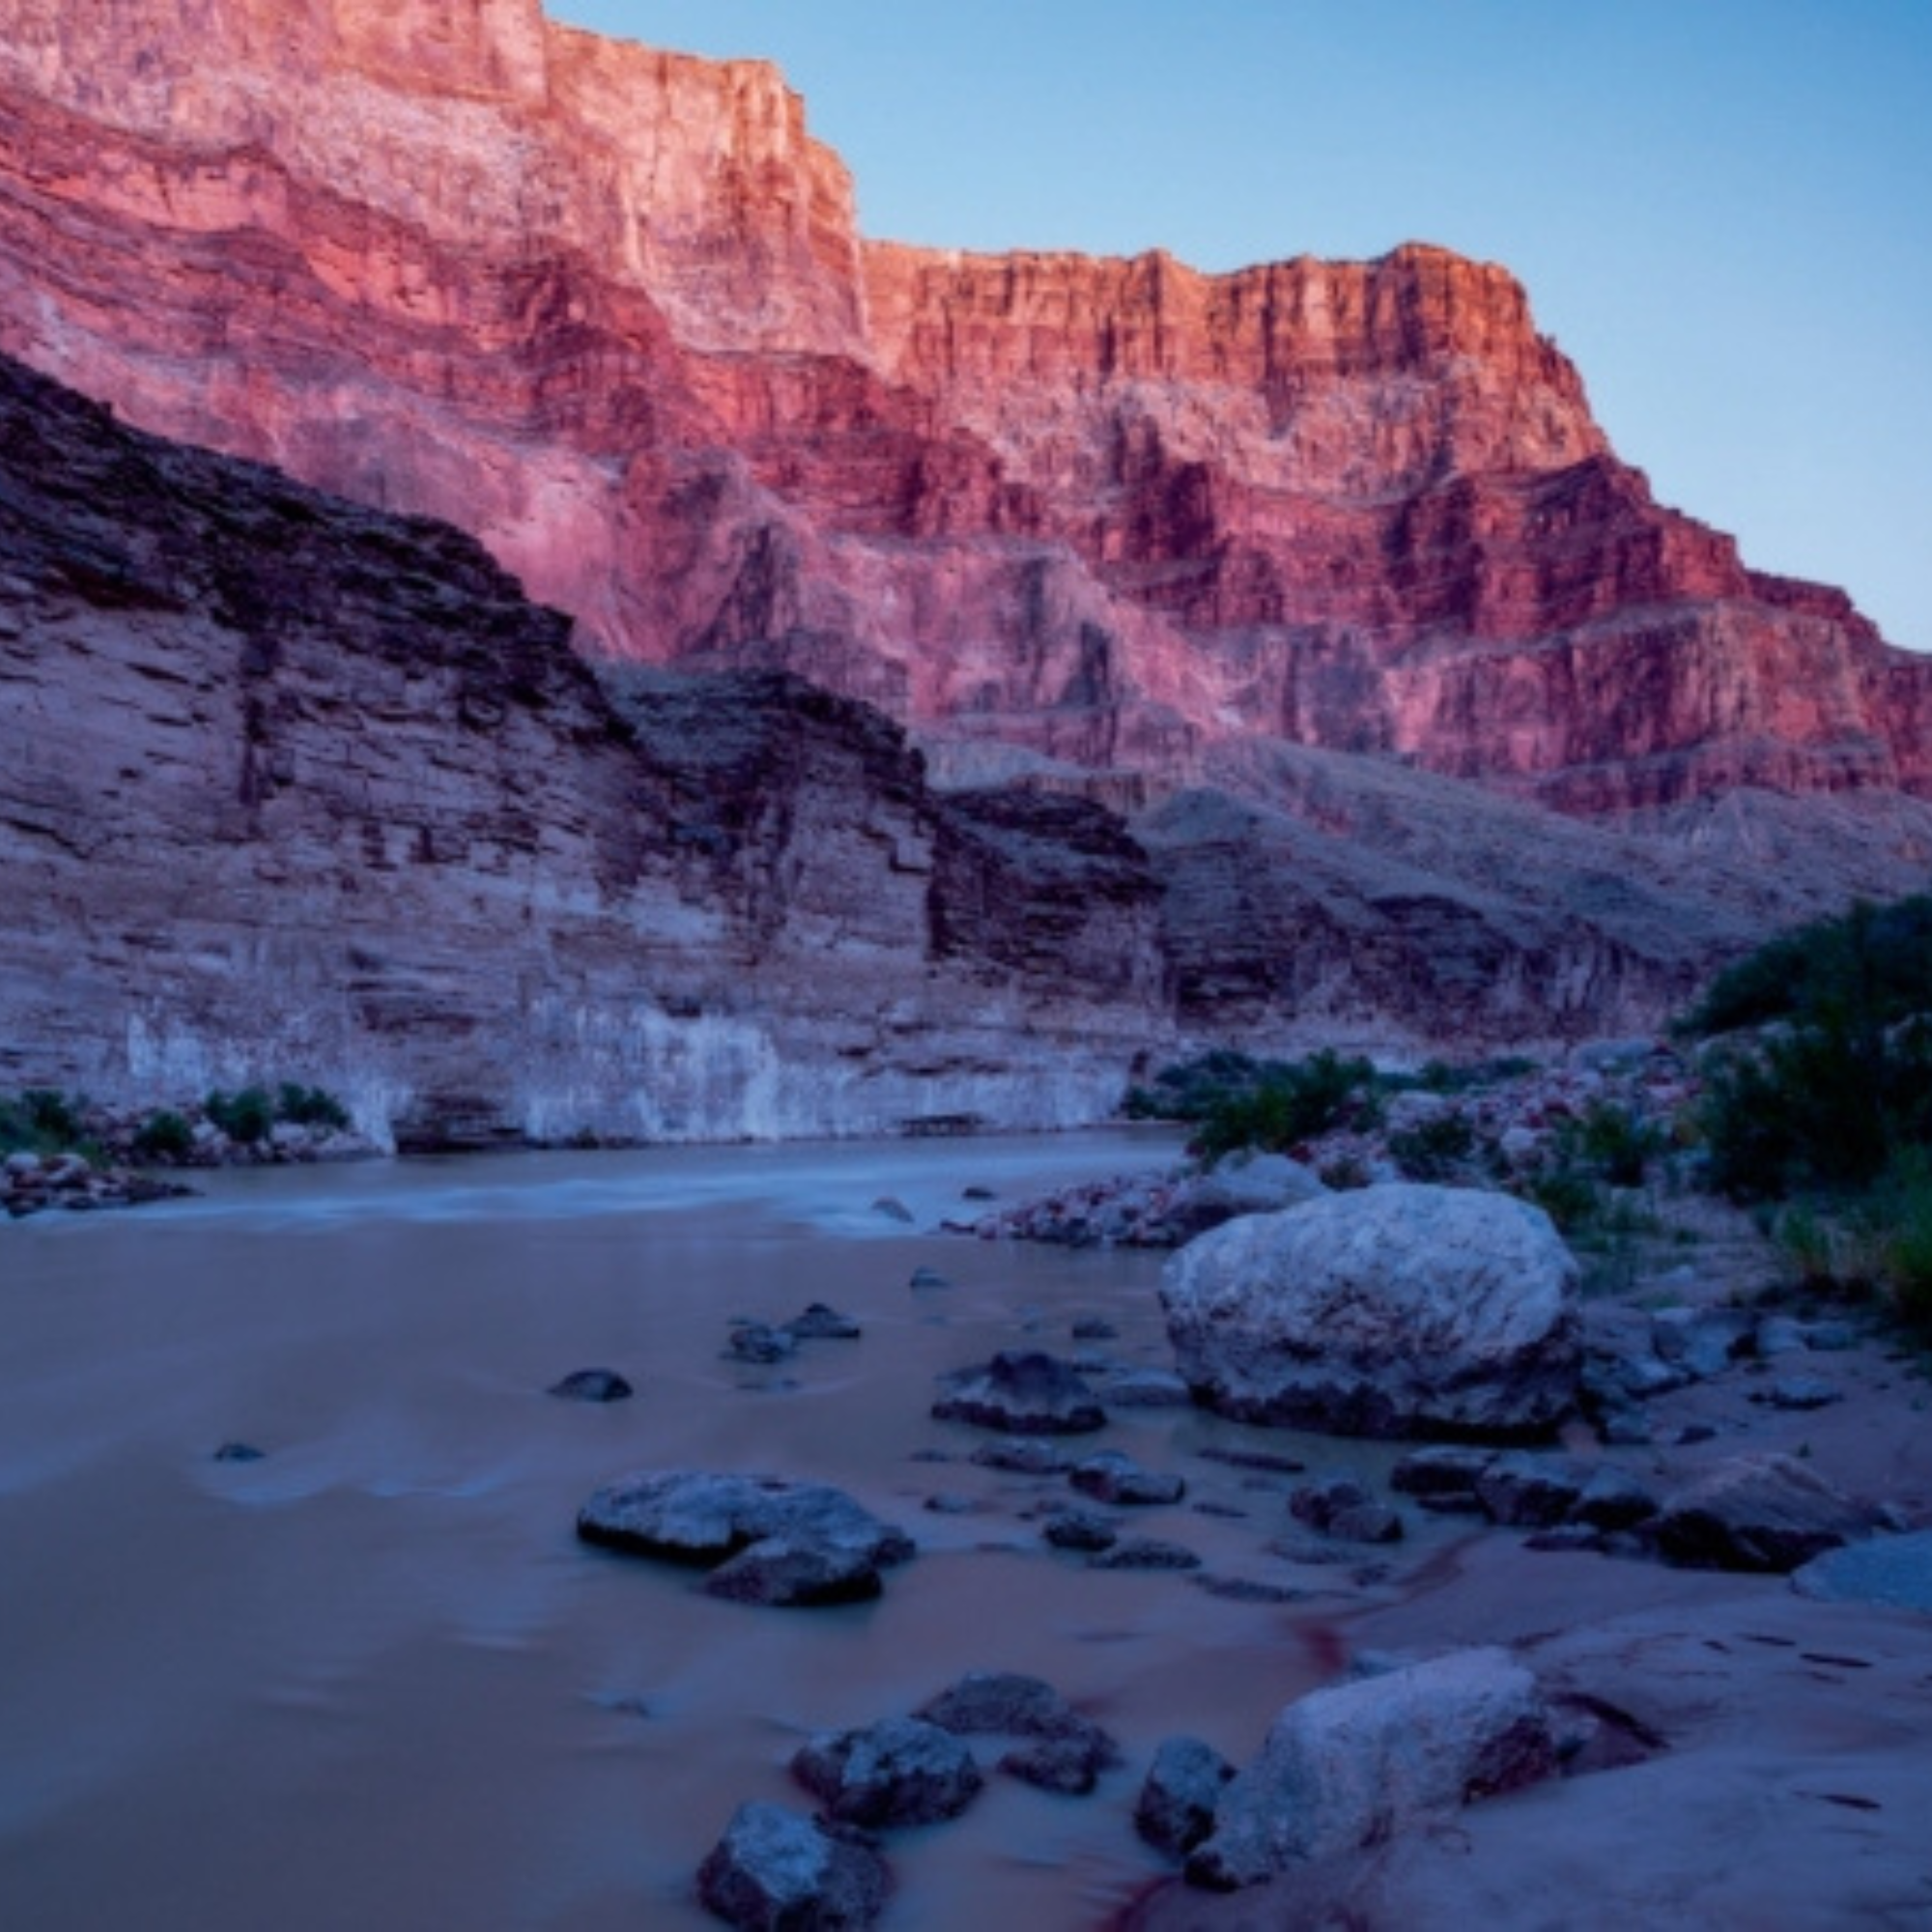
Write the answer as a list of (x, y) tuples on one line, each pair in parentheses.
[(1399, 1310), (294, 789), (1100, 513)]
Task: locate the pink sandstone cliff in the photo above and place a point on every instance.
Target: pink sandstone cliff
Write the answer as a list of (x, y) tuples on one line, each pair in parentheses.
[(608, 309)]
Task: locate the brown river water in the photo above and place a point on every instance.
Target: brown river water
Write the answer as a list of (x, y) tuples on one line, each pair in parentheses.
[(373, 1679)]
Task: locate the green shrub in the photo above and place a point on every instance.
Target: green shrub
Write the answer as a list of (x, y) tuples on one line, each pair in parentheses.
[(1876, 960), (1190, 1089), (1615, 1143), (246, 1117), (1571, 1199), (1844, 1085), (164, 1136), (310, 1106), (1433, 1150), (41, 1121), (1289, 1103)]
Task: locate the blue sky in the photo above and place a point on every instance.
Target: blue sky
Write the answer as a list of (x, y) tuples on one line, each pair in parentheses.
[(1722, 209)]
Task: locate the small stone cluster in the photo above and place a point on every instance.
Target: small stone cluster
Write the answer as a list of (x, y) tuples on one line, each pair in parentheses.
[(32, 1184)]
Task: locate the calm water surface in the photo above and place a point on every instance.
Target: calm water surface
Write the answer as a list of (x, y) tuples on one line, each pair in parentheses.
[(373, 1679)]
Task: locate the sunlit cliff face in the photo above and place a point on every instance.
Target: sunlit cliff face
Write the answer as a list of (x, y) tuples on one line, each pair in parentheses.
[(608, 308)]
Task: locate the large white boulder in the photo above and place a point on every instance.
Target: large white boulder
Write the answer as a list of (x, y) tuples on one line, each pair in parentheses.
[(1401, 1310), (1354, 1766)]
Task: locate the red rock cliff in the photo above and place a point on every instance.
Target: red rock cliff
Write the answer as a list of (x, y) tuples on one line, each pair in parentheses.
[(608, 308)]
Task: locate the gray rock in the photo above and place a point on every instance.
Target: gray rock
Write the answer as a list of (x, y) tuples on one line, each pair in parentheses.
[(1079, 1529), (1444, 1468), (779, 1541), (1390, 1311), (1111, 1477), (1146, 1553), (1779, 1335), (759, 1342), (1528, 1491), (238, 1452), (892, 1208), (1351, 1766), (1023, 1393), (1831, 1337), (1891, 1570), (1757, 1512), (1145, 1388), (784, 1572), (1055, 1764), (902, 1771), (1176, 1809), (1340, 1507), (1094, 1328), (925, 1277), (820, 1323), (1703, 1342), (592, 1385), (1801, 1392), (775, 1870), (1614, 1499), (1022, 1456), (1005, 1704)]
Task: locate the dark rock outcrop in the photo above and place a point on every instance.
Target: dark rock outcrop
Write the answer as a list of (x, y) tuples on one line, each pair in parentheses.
[(290, 787)]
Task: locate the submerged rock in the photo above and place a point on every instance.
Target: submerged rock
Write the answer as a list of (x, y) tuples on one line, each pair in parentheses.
[(1176, 1809), (1111, 1477), (779, 1541), (1064, 1751), (822, 1323), (902, 1771), (775, 1870), (1022, 1393), (592, 1385), (1398, 1310)]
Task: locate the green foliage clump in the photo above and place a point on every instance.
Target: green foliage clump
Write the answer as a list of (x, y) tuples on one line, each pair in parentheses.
[(1288, 1103), (41, 1121), (1190, 1089), (1613, 1143), (246, 1117), (309, 1106), (1433, 1150), (1874, 959), (164, 1135)]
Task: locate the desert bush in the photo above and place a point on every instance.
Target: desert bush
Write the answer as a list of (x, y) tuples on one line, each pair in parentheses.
[(309, 1106), (1833, 1092), (164, 1135), (1433, 1149), (246, 1117), (1288, 1103), (43, 1121)]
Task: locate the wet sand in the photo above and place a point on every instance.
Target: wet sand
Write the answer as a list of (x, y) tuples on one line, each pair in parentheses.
[(374, 1678)]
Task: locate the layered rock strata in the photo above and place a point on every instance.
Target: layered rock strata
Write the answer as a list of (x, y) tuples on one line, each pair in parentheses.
[(608, 308), (291, 790)]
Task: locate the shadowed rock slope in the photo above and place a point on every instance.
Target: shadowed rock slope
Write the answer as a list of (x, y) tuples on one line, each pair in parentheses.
[(290, 788)]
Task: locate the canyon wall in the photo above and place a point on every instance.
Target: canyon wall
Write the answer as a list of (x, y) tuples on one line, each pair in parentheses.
[(295, 791), (608, 309)]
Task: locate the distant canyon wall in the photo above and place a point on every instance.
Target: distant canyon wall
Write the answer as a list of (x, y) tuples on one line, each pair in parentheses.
[(608, 309)]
